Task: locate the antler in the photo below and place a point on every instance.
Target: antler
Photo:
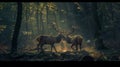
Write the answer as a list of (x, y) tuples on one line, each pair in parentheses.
[(63, 31), (72, 31)]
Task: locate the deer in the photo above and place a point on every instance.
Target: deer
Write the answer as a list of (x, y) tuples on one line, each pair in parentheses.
[(51, 40), (75, 41)]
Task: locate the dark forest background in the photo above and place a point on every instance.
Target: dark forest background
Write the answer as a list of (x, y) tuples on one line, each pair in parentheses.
[(97, 22)]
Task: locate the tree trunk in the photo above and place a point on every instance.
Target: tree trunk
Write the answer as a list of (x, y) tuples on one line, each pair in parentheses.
[(41, 20), (113, 19), (37, 19), (17, 28), (98, 39), (47, 13)]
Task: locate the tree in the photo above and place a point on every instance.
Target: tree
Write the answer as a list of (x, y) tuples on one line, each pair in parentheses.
[(37, 18), (98, 39), (17, 28)]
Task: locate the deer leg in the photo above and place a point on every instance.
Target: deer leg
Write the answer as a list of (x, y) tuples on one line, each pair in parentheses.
[(41, 47), (80, 46), (38, 47), (54, 48), (72, 46), (51, 47), (76, 46)]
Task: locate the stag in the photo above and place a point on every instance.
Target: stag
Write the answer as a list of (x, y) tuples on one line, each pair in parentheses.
[(51, 40), (75, 41)]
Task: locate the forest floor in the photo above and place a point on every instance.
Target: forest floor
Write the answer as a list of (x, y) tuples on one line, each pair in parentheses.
[(46, 56), (87, 54)]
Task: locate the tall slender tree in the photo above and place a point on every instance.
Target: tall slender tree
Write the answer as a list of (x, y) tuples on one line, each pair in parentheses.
[(37, 18), (98, 39), (17, 28)]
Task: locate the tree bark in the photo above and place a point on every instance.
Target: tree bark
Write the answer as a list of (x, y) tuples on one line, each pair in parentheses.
[(17, 28), (98, 39), (37, 19)]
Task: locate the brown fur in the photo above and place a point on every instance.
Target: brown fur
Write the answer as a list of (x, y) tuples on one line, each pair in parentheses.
[(76, 41)]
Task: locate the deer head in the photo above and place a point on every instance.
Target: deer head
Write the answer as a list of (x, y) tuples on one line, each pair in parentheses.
[(60, 37)]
